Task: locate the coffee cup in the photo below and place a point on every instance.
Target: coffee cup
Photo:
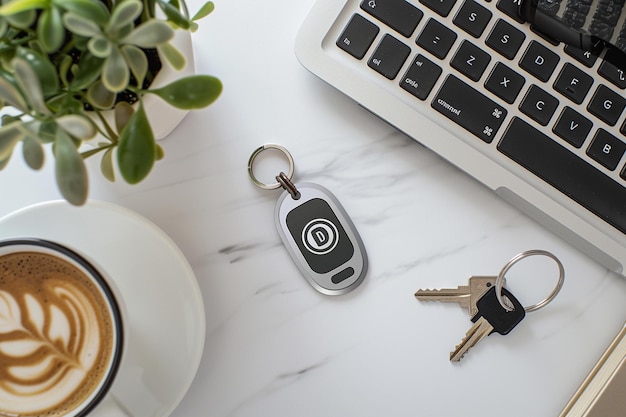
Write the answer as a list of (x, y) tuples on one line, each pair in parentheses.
[(62, 332)]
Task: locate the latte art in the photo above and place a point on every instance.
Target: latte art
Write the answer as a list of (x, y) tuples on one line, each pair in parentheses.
[(56, 336)]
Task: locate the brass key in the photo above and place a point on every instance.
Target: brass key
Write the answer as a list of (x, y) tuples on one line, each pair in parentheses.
[(465, 295)]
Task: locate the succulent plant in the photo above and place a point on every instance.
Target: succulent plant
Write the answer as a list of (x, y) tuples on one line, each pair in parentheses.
[(65, 62)]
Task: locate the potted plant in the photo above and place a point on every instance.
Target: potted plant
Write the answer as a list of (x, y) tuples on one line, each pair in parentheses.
[(75, 72)]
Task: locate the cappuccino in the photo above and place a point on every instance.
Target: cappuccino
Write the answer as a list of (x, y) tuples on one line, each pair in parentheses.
[(58, 336)]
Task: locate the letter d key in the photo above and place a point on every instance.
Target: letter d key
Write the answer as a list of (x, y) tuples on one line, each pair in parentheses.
[(491, 317)]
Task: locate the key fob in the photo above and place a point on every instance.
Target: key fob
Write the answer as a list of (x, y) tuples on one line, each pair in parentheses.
[(321, 239)]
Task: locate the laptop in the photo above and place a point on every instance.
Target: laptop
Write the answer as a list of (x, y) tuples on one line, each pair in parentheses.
[(540, 123)]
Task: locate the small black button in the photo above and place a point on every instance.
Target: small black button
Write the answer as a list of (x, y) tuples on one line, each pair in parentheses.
[(436, 38), (573, 127), (358, 36), (511, 9), (441, 7), (401, 15), (472, 18), (573, 83), (470, 60), (606, 149), (539, 61), (342, 275), (504, 82), (505, 39), (389, 57), (607, 105), (539, 105), (420, 77)]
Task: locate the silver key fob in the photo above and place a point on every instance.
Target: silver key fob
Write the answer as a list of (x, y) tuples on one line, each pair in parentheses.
[(321, 239)]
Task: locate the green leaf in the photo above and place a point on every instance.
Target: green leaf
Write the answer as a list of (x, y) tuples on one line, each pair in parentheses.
[(10, 94), (80, 127), (92, 10), (23, 20), (136, 152), (204, 11), (88, 72), (33, 152), (80, 26), (99, 96), (50, 30), (137, 62), (71, 174), (100, 46), (124, 13), (150, 34), (106, 165), (123, 113), (19, 6), (193, 92), (10, 135), (173, 56), (45, 72), (174, 15), (115, 72), (29, 84)]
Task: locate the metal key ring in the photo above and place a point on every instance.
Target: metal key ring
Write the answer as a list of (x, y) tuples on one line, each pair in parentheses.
[(254, 156), (501, 279)]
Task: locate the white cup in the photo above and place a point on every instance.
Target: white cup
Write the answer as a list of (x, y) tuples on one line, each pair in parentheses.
[(56, 326)]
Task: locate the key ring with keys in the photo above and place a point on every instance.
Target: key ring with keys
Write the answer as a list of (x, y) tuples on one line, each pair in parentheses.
[(500, 280)]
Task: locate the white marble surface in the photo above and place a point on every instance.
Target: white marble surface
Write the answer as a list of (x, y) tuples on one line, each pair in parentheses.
[(274, 346)]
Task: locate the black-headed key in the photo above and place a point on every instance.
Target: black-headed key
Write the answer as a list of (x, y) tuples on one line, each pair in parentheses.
[(491, 317)]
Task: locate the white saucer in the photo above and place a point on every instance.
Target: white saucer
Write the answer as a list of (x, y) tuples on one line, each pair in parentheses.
[(162, 297)]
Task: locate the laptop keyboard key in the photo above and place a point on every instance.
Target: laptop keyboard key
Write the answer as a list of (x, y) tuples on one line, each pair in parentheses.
[(504, 82), (510, 8), (398, 14), (587, 58), (436, 38), (389, 57), (573, 83), (539, 105), (539, 61), (469, 108), (470, 60), (472, 18), (607, 105), (565, 171), (420, 77), (573, 127), (613, 68), (358, 36), (441, 7), (606, 149), (505, 39)]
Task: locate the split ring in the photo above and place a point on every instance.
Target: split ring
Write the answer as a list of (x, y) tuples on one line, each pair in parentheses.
[(535, 252), (254, 156)]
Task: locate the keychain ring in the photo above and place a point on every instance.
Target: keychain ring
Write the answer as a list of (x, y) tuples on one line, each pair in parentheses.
[(254, 156), (534, 252)]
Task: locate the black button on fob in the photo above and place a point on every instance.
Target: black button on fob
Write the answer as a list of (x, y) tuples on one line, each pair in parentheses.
[(321, 239)]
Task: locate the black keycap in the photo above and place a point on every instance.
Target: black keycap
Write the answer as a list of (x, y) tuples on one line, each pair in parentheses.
[(607, 105), (398, 14), (389, 57), (510, 8), (470, 60), (436, 38), (573, 83), (539, 61), (472, 18), (441, 7), (606, 149), (565, 171), (505, 39), (587, 58), (573, 127), (504, 82), (358, 36), (469, 108), (539, 105), (420, 77), (613, 68)]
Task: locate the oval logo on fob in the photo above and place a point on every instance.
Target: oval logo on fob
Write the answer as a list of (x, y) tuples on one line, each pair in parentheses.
[(321, 239)]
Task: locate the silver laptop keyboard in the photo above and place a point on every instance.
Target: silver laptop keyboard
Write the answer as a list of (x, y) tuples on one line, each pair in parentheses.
[(470, 62)]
